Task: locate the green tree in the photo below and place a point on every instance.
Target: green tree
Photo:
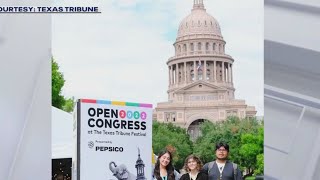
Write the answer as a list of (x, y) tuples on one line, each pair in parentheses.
[(231, 131), (260, 164), (58, 100), (57, 83), (168, 135), (69, 104), (251, 147)]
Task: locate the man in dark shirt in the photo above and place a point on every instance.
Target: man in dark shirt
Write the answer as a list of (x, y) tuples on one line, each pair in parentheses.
[(221, 168)]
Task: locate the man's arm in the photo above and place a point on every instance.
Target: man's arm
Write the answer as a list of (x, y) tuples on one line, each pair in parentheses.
[(239, 174), (205, 168)]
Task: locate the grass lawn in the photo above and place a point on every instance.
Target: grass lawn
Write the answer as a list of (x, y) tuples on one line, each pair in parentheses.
[(250, 178)]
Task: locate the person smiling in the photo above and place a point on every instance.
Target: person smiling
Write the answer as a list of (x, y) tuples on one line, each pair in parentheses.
[(192, 165), (222, 168), (164, 169)]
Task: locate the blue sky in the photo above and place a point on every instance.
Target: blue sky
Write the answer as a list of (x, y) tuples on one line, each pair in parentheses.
[(121, 53)]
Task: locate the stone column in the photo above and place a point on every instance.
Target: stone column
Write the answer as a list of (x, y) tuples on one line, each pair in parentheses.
[(194, 70), (204, 70), (223, 72), (172, 75), (226, 74), (231, 73), (169, 75), (177, 74), (211, 70), (185, 73), (214, 71)]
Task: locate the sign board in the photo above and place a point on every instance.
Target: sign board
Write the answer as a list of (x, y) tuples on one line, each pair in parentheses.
[(113, 140)]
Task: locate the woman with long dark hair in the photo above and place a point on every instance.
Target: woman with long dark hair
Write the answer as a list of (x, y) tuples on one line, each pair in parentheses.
[(164, 169)]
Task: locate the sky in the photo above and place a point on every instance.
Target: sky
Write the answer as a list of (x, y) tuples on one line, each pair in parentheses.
[(121, 54)]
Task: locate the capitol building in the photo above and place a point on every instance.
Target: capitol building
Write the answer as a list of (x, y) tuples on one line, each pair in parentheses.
[(200, 76)]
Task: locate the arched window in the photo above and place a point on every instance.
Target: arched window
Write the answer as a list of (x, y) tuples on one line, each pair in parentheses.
[(214, 46), (180, 77), (179, 49), (191, 47), (219, 48), (184, 47), (199, 46), (207, 46)]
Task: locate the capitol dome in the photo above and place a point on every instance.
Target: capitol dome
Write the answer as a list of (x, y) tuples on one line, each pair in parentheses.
[(199, 22), (200, 77)]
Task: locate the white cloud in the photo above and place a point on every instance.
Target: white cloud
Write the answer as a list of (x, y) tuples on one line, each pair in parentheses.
[(121, 54)]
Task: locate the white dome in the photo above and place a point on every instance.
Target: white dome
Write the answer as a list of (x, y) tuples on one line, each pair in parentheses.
[(199, 22)]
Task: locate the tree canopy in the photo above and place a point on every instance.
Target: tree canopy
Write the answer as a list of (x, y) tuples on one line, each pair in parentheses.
[(57, 84), (230, 131), (244, 136), (58, 100), (173, 137)]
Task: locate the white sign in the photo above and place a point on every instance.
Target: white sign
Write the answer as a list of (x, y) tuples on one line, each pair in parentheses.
[(114, 140)]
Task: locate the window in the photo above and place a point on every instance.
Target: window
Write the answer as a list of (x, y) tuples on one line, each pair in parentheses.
[(184, 47), (207, 46), (199, 46), (179, 49), (208, 74), (213, 46), (191, 47)]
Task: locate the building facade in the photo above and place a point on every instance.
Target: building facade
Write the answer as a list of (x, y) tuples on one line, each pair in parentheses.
[(200, 76)]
